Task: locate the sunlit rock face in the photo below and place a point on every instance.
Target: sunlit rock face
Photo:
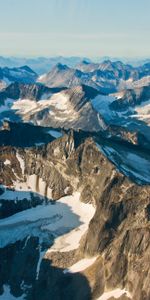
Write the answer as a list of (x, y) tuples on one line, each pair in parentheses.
[(67, 203)]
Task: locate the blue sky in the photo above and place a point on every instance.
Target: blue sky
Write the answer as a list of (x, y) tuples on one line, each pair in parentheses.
[(119, 28)]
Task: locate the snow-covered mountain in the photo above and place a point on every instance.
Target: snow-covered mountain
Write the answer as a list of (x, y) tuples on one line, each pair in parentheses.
[(106, 77), (22, 74), (63, 76), (53, 107)]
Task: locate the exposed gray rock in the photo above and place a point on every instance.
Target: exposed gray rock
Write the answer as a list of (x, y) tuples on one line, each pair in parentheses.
[(118, 234)]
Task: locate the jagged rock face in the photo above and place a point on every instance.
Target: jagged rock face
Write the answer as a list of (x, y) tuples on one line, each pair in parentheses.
[(120, 218), (118, 233), (30, 91), (131, 98), (52, 107), (132, 136)]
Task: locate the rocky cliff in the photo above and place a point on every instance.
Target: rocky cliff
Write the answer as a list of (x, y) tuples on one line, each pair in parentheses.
[(118, 234)]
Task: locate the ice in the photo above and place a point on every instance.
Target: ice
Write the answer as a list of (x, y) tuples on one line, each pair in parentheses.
[(6, 106), (71, 240), (54, 133), (101, 104), (3, 108), (67, 220), (42, 253), (8, 296), (14, 195)]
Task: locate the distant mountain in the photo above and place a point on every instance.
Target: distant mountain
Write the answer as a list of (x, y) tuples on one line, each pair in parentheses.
[(117, 69), (22, 74), (90, 97), (40, 64), (63, 76), (107, 77)]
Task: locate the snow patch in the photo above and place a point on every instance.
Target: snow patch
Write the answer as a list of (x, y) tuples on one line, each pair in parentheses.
[(7, 162), (56, 134), (21, 161), (71, 240), (24, 106), (42, 77), (81, 265), (101, 104), (143, 112), (60, 101), (67, 220), (35, 184), (115, 293), (42, 253)]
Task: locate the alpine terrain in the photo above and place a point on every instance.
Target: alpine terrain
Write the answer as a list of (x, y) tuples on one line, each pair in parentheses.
[(74, 180)]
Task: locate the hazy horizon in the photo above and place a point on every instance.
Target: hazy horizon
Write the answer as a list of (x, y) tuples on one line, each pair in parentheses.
[(18, 56)]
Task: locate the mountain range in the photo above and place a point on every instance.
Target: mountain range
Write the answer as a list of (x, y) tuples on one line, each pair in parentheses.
[(74, 180), (106, 77)]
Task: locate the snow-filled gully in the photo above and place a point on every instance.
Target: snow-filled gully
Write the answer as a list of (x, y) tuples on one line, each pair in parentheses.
[(66, 220)]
